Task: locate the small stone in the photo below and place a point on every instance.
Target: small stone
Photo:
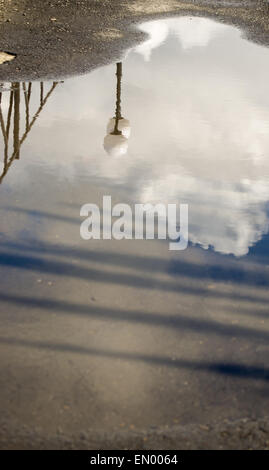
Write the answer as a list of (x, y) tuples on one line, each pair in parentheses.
[(6, 57), (204, 427)]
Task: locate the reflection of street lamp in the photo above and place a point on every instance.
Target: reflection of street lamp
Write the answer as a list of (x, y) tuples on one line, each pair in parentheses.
[(123, 126), (115, 145), (118, 128)]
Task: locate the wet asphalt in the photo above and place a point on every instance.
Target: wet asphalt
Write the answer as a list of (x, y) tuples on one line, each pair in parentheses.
[(55, 39)]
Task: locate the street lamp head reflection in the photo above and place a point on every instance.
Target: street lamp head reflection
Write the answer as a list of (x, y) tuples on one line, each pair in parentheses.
[(115, 145), (123, 126)]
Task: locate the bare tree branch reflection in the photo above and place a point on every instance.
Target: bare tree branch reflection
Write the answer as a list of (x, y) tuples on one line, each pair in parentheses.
[(17, 108)]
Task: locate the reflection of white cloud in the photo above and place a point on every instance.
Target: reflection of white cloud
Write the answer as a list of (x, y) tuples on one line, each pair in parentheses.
[(157, 31), (195, 32), (239, 210), (191, 32)]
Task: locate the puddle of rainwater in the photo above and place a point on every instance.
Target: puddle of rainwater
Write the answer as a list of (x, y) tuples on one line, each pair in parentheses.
[(198, 107)]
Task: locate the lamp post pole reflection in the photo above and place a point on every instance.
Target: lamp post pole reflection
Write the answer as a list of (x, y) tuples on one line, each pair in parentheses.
[(16, 125), (118, 128)]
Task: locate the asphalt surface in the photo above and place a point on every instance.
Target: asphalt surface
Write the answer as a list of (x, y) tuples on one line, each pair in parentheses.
[(103, 346)]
